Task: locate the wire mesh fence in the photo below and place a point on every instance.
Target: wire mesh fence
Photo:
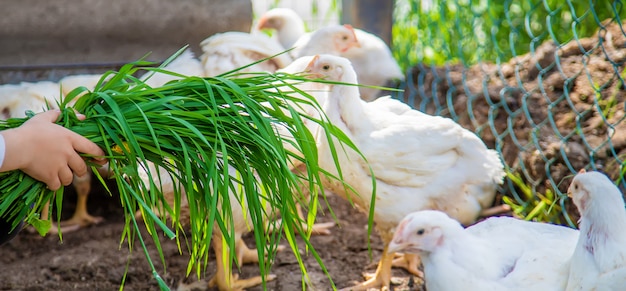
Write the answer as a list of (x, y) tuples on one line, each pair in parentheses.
[(540, 81)]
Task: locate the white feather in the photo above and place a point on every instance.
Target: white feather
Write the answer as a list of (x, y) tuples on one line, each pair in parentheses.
[(185, 64), (227, 51)]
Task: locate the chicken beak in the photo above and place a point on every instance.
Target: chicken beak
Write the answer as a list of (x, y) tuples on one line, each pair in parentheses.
[(395, 247), (398, 243), (569, 189)]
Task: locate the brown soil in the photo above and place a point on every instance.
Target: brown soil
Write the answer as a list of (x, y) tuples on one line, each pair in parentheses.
[(522, 97), (93, 258)]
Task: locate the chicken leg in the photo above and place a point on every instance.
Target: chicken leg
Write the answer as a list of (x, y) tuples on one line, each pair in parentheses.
[(224, 278), (81, 217), (495, 210)]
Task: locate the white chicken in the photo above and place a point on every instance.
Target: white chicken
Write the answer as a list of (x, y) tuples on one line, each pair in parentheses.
[(599, 262), (497, 254), (334, 40), (224, 52), (373, 63), (372, 59), (16, 99), (185, 64), (419, 162), (287, 23)]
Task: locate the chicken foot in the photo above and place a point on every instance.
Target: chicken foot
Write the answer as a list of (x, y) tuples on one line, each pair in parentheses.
[(409, 262), (246, 255), (316, 228), (381, 279), (224, 278)]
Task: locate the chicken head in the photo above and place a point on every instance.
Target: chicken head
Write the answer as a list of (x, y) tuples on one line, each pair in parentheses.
[(421, 232)]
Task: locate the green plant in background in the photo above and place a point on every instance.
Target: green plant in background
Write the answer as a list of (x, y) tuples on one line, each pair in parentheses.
[(436, 32), (608, 106), (531, 205), (404, 34)]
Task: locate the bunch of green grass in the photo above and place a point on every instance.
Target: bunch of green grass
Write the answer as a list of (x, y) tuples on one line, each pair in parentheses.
[(195, 129)]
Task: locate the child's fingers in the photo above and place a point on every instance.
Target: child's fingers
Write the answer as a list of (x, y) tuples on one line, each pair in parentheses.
[(79, 115), (66, 176), (83, 145), (54, 183), (77, 165), (50, 115)]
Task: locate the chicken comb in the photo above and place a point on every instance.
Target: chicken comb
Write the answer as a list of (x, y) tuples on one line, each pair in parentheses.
[(312, 63), (349, 27)]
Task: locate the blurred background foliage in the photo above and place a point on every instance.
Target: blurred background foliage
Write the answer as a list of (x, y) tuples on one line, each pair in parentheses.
[(469, 31)]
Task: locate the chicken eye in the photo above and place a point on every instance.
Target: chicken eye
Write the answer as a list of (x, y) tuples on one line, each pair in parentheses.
[(326, 67), (345, 37), (420, 231), (575, 186)]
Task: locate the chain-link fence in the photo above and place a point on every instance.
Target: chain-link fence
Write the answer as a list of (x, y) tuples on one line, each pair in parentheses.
[(540, 81)]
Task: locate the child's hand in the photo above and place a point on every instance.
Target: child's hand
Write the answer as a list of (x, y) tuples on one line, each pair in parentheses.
[(46, 151)]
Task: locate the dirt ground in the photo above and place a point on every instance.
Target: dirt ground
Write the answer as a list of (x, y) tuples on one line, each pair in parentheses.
[(94, 259)]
